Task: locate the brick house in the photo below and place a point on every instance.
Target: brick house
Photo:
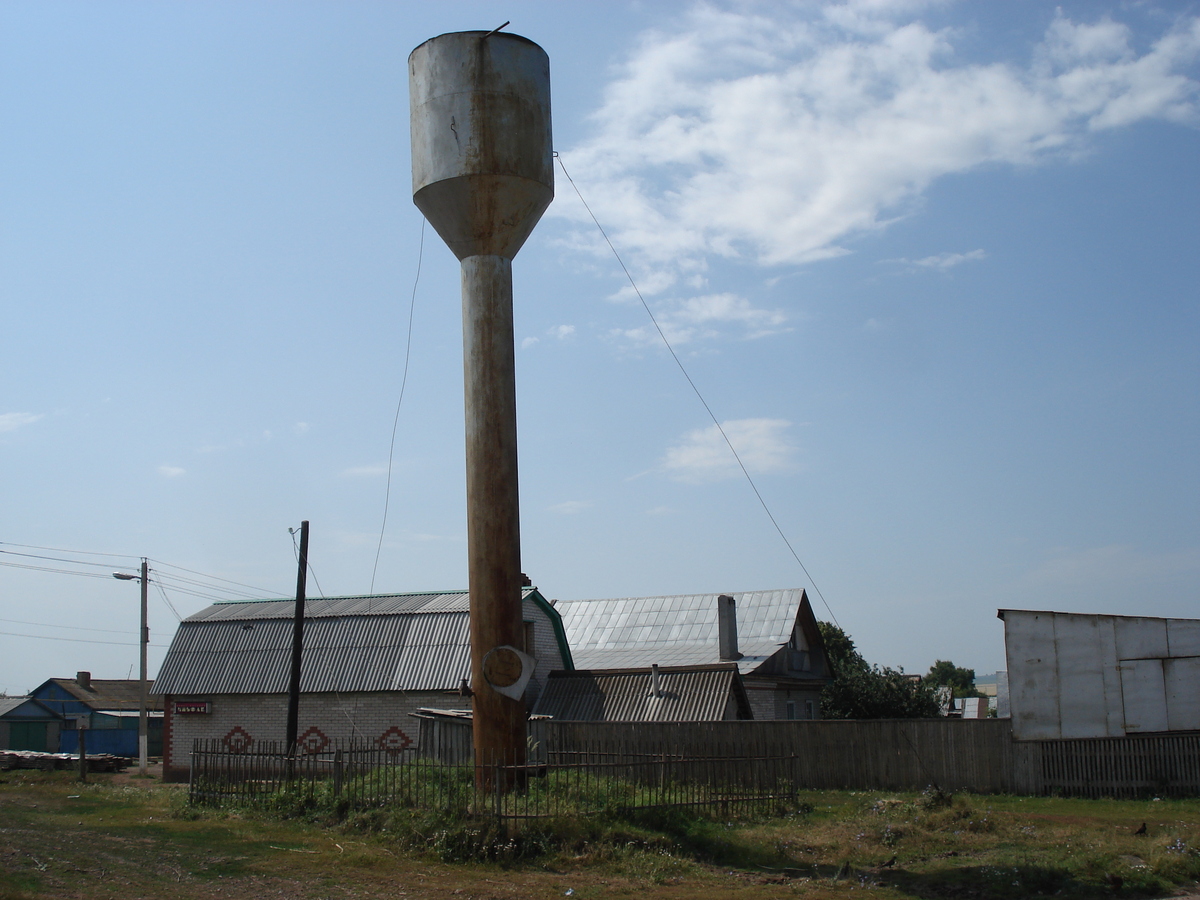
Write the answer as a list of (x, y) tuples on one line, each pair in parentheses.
[(368, 663)]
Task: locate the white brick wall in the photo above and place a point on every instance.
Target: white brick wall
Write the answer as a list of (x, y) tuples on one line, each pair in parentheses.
[(242, 720)]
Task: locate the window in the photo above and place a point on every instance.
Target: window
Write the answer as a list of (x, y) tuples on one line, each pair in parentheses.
[(791, 709), (530, 638), (810, 709)]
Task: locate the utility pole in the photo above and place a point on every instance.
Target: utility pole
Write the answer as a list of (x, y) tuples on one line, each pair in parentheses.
[(81, 724), (293, 713), (144, 642), (143, 725)]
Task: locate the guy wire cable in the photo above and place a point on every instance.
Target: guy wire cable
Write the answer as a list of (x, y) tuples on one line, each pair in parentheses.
[(387, 495), (695, 389)]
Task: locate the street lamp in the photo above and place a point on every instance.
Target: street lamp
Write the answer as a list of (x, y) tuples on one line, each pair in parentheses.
[(143, 737)]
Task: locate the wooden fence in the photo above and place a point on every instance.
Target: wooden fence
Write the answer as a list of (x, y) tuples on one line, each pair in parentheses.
[(708, 761), (1161, 765), (569, 784), (886, 754), (976, 755)]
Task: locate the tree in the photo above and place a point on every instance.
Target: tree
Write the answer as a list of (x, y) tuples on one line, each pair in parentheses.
[(860, 690), (944, 673)]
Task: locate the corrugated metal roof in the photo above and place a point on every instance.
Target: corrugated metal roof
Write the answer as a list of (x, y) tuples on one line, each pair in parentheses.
[(397, 642), (677, 630), (325, 607), (418, 651), (687, 694)]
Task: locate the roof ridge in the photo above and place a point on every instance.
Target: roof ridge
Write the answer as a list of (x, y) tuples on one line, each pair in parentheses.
[(343, 597), (676, 596)]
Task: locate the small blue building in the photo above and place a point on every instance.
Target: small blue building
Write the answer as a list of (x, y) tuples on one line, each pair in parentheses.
[(111, 709)]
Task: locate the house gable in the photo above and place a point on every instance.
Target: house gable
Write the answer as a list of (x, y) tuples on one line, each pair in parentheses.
[(27, 708)]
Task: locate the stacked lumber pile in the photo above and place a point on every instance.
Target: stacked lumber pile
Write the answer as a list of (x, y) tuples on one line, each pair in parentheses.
[(32, 759)]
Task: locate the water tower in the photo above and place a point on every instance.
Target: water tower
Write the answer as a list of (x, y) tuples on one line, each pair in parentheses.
[(483, 175)]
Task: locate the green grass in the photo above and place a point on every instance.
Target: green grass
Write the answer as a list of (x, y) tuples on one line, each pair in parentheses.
[(995, 846), (107, 840)]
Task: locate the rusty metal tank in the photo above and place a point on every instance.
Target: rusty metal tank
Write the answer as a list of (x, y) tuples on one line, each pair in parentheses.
[(482, 161)]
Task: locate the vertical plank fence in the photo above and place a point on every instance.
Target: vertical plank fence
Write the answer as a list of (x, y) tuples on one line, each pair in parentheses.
[(585, 767)]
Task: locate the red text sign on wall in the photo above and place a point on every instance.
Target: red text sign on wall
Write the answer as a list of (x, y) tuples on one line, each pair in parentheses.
[(192, 708)]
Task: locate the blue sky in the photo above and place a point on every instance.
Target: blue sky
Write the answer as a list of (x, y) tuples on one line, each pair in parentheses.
[(932, 265)]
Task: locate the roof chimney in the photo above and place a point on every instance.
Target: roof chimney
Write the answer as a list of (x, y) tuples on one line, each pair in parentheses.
[(727, 627), (84, 680)]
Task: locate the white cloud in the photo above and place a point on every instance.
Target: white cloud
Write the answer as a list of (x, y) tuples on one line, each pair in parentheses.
[(570, 507), (776, 138), (705, 317), (300, 428), (363, 472), (171, 471), (558, 333), (943, 261), (13, 421), (703, 455)]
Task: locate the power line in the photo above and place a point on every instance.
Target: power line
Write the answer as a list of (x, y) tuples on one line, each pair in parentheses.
[(214, 598), (68, 627), (179, 579), (170, 605), (61, 550), (258, 592), (296, 554), (13, 565), (387, 494), (211, 588), (695, 389), (75, 562), (42, 637)]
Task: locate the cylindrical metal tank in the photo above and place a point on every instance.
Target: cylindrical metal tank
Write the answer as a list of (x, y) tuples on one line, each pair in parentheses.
[(482, 160), (483, 175)]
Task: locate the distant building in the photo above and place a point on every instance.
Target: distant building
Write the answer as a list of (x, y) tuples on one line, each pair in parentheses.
[(995, 688), (771, 637), (1074, 675), (46, 719), (368, 664)]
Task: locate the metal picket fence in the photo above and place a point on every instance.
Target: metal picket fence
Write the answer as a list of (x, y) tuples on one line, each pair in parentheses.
[(579, 782)]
